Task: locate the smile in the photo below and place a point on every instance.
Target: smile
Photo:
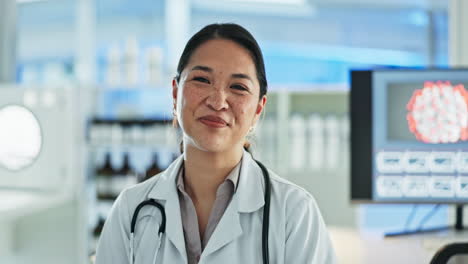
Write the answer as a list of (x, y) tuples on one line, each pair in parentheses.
[(213, 121)]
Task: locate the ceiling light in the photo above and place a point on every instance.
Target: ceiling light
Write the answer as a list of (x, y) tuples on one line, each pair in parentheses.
[(288, 2), (28, 1)]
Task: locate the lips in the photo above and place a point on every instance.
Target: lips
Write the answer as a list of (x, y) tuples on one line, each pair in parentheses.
[(213, 121)]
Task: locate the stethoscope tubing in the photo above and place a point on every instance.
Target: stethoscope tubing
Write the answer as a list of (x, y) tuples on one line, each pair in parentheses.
[(162, 227), (266, 213)]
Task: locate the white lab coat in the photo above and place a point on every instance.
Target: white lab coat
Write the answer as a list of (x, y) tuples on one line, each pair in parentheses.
[(297, 232)]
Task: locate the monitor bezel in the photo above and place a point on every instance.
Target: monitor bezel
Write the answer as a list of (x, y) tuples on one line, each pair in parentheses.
[(361, 145)]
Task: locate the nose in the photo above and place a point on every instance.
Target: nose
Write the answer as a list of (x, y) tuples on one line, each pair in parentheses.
[(217, 100)]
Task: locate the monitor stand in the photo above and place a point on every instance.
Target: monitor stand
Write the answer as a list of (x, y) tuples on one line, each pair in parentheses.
[(458, 226)]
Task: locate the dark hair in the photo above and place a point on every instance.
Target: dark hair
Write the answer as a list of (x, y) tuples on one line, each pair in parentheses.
[(232, 32)]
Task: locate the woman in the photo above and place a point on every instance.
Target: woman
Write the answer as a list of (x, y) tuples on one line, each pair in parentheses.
[(213, 194)]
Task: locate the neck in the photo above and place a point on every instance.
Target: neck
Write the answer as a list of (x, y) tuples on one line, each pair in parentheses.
[(205, 171)]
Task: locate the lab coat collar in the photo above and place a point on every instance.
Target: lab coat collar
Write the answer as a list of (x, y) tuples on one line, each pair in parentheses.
[(248, 198), (250, 189)]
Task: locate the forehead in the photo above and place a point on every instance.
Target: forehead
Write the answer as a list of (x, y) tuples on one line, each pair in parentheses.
[(222, 54)]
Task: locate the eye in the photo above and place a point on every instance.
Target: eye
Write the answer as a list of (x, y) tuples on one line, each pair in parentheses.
[(239, 87), (201, 79)]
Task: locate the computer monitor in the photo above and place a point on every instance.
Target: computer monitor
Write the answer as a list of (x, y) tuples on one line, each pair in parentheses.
[(409, 136)]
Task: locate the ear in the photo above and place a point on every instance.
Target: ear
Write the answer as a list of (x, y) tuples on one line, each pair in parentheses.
[(174, 89), (260, 106)]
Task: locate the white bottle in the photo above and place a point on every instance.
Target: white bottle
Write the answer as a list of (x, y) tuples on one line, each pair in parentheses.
[(273, 140), (153, 65), (170, 138), (345, 128), (94, 134), (297, 132), (136, 134), (117, 161), (332, 142), (130, 62), (116, 134), (114, 70), (316, 141), (265, 132)]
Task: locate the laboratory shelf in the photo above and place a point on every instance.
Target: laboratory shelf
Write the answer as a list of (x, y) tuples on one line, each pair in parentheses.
[(103, 197), (131, 122)]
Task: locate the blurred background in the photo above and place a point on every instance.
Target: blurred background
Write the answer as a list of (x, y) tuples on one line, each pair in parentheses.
[(95, 79)]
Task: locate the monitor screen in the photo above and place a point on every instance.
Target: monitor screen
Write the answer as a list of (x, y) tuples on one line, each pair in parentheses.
[(409, 135)]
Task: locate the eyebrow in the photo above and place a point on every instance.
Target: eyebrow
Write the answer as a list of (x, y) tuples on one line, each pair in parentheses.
[(241, 76), (202, 68), (210, 70)]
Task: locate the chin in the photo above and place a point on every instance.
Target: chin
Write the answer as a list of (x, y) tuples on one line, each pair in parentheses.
[(213, 147), (207, 144)]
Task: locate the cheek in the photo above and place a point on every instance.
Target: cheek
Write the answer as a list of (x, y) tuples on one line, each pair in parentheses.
[(191, 97), (245, 112)]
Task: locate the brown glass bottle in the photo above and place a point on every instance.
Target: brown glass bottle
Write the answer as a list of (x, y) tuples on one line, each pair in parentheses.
[(104, 177), (154, 167), (124, 177)]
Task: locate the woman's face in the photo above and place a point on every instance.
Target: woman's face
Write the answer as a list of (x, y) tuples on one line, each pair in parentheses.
[(217, 97)]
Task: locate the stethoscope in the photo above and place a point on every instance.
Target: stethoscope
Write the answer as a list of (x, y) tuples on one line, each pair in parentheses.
[(162, 227)]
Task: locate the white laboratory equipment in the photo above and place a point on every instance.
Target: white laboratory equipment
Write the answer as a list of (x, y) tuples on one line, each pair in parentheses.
[(43, 215)]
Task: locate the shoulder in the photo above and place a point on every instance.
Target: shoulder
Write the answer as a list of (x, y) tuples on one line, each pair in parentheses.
[(304, 225), (291, 193), (283, 192), (296, 204), (132, 196), (155, 187)]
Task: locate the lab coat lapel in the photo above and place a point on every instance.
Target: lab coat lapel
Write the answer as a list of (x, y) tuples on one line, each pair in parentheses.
[(166, 190), (251, 185), (227, 230), (247, 199)]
